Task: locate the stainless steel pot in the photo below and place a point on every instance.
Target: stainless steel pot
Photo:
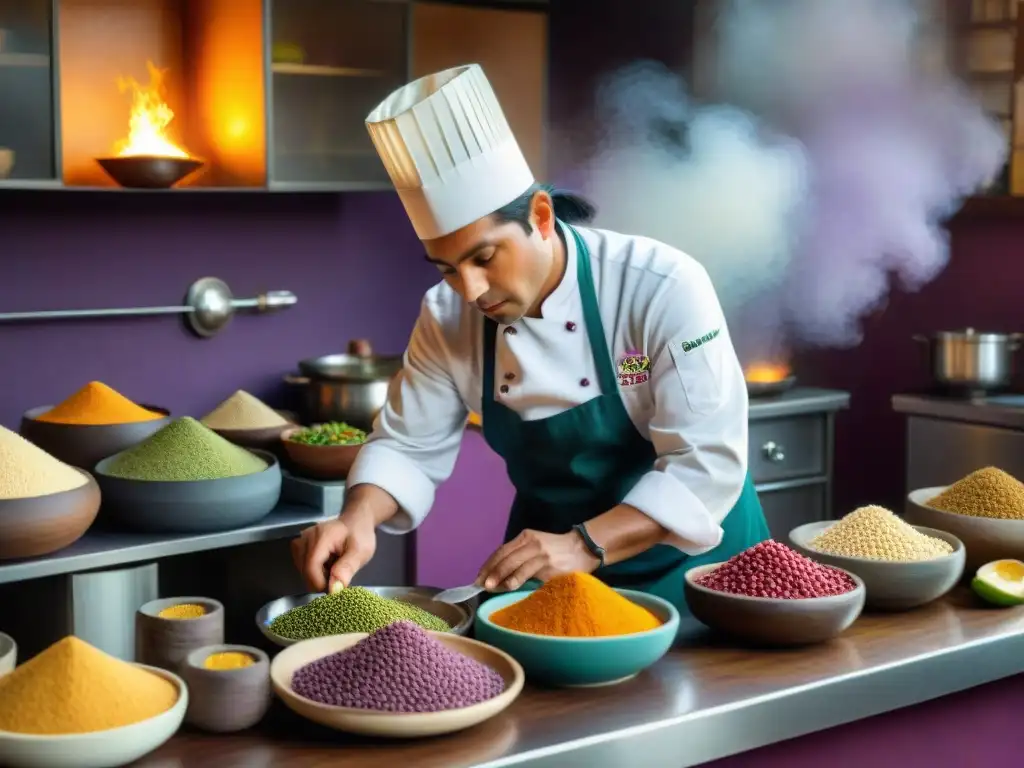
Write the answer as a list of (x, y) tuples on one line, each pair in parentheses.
[(970, 360), (352, 387)]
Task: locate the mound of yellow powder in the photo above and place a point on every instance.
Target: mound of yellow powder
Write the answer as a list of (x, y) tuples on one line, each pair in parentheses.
[(988, 492), (243, 411), (576, 605), (72, 687), (97, 404), (26, 470)]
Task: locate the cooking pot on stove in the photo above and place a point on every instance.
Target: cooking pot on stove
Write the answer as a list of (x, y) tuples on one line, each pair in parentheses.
[(968, 360), (350, 387)]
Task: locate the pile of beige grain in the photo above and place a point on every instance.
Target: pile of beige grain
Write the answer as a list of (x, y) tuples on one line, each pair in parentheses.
[(26, 470), (988, 492), (243, 411), (875, 533)]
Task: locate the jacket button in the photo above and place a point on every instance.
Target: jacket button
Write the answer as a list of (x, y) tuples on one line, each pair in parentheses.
[(584, 382), (509, 376), (503, 389), (570, 326), (511, 331)]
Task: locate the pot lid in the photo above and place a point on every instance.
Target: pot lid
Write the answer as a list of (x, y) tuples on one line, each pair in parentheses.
[(351, 368), (971, 335)]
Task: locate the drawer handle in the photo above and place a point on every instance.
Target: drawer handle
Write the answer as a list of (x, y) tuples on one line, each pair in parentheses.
[(773, 452)]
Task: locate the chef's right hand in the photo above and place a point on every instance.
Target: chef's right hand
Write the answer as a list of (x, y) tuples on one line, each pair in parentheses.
[(346, 545)]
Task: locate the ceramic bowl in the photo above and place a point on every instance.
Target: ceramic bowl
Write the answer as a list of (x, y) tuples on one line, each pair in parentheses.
[(571, 662), (166, 643), (459, 617), (319, 462), (391, 724), (85, 445), (226, 700), (39, 525), (102, 749), (773, 621), (190, 506), (8, 654), (986, 539), (891, 586), (264, 439)]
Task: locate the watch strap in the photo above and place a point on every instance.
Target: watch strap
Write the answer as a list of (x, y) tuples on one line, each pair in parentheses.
[(594, 548)]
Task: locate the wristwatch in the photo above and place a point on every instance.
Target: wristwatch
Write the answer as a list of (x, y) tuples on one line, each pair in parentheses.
[(592, 546)]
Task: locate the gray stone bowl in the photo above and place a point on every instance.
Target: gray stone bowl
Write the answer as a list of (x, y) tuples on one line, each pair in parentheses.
[(85, 445), (226, 700), (166, 643), (459, 617), (891, 586), (985, 538), (38, 525), (191, 506), (767, 621)]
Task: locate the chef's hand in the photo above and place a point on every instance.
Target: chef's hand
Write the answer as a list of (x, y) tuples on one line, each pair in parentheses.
[(536, 555), (344, 545)]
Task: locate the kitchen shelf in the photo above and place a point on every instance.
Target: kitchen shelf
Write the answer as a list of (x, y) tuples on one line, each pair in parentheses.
[(323, 71)]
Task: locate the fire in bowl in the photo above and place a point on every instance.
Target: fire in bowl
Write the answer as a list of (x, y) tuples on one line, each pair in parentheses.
[(148, 171)]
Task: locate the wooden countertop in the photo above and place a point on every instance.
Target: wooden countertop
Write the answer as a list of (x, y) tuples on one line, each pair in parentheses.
[(714, 698)]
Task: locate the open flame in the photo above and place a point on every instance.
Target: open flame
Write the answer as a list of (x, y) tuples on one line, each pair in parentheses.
[(766, 373), (149, 119)]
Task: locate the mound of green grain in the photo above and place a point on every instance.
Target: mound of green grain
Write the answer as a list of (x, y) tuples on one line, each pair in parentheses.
[(184, 450), (355, 609)]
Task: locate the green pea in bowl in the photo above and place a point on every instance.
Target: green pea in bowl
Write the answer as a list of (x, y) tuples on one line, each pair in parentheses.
[(327, 452), (580, 662)]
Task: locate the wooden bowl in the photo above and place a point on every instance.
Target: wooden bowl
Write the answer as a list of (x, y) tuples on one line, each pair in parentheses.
[(8, 654), (320, 462), (166, 643), (985, 538), (227, 700), (39, 525), (264, 439), (773, 621), (891, 585), (391, 724), (85, 445)]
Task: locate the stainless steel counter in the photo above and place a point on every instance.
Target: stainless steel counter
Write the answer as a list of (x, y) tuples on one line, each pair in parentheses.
[(996, 411), (798, 402)]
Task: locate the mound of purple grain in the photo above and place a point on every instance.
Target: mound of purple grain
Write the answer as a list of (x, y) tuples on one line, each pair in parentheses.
[(399, 668)]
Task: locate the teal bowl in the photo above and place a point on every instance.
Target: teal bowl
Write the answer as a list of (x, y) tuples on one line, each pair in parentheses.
[(578, 662)]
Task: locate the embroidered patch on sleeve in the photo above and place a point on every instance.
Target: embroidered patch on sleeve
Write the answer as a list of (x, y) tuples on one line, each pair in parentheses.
[(634, 368), (694, 344)]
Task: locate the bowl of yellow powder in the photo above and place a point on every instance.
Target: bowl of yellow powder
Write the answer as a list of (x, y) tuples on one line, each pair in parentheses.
[(985, 510), (74, 706), (91, 424), (230, 687), (247, 421), (902, 566), (186, 478), (168, 629), (45, 504), (575, 631)]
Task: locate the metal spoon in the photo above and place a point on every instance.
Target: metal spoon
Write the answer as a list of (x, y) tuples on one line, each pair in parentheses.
[(457, 595)]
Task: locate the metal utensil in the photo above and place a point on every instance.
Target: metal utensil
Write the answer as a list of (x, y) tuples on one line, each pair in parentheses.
[(457, 595), (969, 360)]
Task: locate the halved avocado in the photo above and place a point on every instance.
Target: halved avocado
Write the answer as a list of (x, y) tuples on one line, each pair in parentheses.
[(1000, 582)]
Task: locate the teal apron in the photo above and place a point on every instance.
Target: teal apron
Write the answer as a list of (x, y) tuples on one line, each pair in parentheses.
[(572, 467)]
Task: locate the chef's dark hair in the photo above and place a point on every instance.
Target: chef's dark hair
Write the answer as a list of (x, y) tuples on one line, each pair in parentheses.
[(569, 207)]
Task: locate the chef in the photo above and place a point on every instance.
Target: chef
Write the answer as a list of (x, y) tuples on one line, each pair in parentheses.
[(600, 363)]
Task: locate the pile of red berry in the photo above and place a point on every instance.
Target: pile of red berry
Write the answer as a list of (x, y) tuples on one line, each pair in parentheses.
[(771, 569)]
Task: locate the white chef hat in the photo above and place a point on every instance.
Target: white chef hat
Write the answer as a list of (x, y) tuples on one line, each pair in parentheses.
[(448, 149)]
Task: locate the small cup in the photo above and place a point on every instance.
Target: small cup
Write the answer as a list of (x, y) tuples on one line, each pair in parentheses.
[(226, 700), (8, 654), (165, 643)]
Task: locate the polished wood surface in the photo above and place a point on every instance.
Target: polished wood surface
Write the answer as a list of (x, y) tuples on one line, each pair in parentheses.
[(703, 672)]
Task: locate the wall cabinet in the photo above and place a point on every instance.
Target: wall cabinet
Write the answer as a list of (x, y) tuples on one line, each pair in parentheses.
[(268, 94)]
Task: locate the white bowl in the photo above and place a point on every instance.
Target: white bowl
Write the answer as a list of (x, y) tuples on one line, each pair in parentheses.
[(891, 585), (100, 749), (8, 654), (402, 725)]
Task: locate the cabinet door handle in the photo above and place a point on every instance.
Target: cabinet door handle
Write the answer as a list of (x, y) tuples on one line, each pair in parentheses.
[(773, 452)]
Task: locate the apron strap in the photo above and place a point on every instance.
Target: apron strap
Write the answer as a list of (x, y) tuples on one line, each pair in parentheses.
[(606, 375)]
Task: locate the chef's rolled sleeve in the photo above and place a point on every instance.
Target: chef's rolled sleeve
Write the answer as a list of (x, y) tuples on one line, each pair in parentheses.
[(698, 424), (416, 437)]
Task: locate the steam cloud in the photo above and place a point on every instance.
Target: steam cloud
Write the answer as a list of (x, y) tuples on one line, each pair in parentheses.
[(828, 164)]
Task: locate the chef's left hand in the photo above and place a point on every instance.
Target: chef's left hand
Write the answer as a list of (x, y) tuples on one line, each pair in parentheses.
[(535, 555)]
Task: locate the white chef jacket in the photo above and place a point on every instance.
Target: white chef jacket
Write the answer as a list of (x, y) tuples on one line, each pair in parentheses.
[(655, 301)]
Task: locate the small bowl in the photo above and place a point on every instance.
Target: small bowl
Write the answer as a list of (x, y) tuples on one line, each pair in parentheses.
[(226, 700), (578, 662), (891, 586), (85, 445), (985, 538), (8, 654), (319, 462), (40, 525), (459, 617), (148, 171), (264, 439), (190, 506), (101, 749), (166, 643), (392, 724), (773, 621)]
